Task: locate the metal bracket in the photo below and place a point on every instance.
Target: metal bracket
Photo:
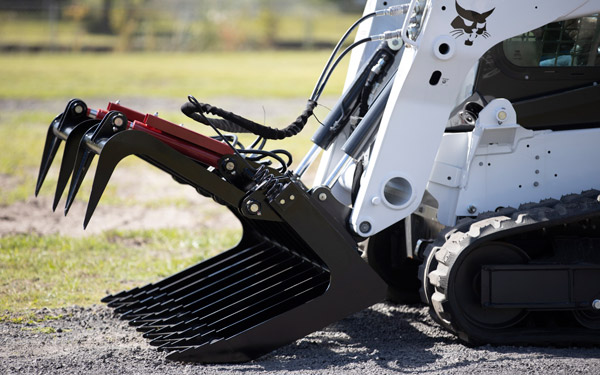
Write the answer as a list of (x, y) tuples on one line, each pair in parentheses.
[(540, 286)]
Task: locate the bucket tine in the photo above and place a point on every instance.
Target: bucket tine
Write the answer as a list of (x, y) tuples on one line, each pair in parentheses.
[(69, 158), (59, 129), (244, 271), (91, 144), (50, 149), (135, 294), (208, 301), (115, 298), (82, 164), (106, 165)]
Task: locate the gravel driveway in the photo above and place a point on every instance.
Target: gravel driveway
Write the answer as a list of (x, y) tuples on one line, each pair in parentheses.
[(385, 339)]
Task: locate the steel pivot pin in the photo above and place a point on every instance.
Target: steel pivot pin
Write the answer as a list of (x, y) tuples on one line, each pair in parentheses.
[(229, 165), (365, 227), (253, 207), (501, 115), (118, 122)]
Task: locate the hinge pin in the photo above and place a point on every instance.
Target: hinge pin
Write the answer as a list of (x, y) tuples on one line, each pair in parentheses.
[(253, 207)]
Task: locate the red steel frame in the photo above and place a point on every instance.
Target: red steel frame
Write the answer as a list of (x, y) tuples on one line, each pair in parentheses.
[(194, 145)]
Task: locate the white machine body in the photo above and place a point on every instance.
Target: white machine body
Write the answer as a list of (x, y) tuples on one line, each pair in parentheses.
[(499, 164)]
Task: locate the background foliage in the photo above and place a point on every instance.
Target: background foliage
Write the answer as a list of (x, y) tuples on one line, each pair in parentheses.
[(176, 25)]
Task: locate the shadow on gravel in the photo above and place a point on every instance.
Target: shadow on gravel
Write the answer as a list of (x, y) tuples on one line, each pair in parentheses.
[(388, 337)]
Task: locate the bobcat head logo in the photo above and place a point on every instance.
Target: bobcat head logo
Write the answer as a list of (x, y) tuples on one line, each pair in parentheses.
[(470, 23)]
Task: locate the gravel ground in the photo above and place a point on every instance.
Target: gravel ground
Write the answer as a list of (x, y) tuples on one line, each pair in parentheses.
[(385, 339)]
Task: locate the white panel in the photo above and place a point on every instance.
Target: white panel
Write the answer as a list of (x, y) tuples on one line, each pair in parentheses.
[(549, 165)]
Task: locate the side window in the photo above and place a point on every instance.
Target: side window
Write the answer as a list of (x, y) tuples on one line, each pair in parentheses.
[(568, 43)]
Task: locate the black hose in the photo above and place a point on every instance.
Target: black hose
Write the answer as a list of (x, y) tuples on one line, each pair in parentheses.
[(337, 61), (335, 51), (234, 123)]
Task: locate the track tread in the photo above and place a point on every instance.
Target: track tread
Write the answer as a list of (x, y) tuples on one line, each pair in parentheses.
[(494, 226)]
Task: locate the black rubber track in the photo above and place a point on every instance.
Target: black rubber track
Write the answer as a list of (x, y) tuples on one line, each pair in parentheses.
[(573, 217)]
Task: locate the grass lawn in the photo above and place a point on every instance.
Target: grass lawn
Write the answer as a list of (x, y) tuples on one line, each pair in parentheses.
[(54, 271), (241, 74)]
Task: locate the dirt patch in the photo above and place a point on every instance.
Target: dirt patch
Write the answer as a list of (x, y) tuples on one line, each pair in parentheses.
[(151, 200)]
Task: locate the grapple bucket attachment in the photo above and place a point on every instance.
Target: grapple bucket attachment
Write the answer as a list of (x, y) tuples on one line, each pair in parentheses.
[(295, 270)]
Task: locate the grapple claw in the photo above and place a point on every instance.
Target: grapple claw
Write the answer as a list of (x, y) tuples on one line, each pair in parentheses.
[(75, 113), (70, 157), (91, 143), (82, 164)]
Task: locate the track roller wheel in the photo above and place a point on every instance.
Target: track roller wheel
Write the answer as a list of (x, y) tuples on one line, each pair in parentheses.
[(588, 318), (457, 297)]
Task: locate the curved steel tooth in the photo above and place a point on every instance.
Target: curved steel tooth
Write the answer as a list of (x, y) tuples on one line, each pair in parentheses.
[(50, 149), (82, 164), (104, 171), (102, 137), (69, 156), (59, 129)]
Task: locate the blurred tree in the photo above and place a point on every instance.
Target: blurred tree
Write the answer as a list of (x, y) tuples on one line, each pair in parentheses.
[(104, 23), (131, 13), (99, 22), (350, 6), (268, 21)]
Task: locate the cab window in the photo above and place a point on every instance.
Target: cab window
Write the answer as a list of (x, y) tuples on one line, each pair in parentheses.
[(568, 43)]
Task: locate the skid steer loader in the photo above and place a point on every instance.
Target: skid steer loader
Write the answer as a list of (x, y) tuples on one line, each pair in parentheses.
[(458, 162)]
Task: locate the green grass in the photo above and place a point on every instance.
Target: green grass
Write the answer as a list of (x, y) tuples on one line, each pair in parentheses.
[(30, 317), (242, 74), (22, 140), (54, 271)]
